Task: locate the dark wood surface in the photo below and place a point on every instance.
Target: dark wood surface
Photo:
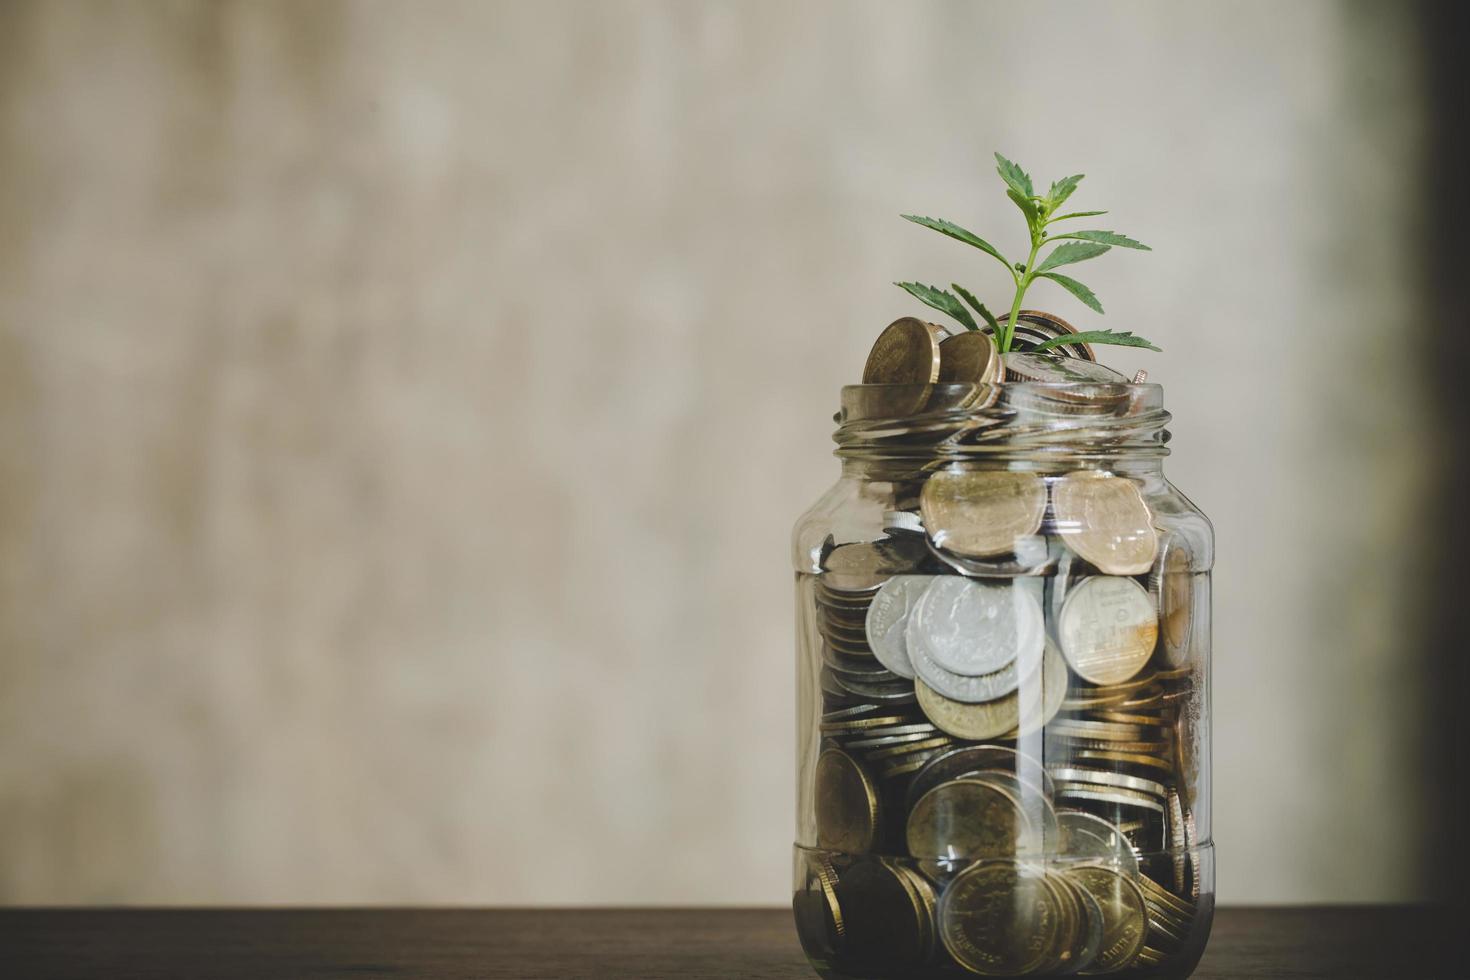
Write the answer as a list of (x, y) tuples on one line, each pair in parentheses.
[(313, 944)]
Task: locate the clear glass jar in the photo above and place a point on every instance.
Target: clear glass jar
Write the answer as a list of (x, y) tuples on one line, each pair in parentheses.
[(1003, 645)]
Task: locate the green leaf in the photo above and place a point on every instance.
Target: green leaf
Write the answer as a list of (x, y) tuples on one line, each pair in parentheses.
[(1106, 238), (1076, 289), (958, 234), (1077, 214), (1069, 252), (1122, 338), (1028, 207), (969, 297), (1016, 178), (940, 300), (1061, 190)]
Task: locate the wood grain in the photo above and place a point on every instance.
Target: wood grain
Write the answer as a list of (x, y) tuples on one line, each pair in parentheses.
[(450, 944)]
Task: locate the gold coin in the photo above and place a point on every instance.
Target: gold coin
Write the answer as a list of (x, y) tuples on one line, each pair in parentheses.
[(1104, 519), (905, 353), (968, 357), (1125, 758), (1125, 919), (966, 818), (886, 921), (988, 719), (999, 918), (846, 803), (1108, 628), (980, 514)]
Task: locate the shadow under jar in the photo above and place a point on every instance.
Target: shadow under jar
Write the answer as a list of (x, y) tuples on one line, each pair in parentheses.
[(1003, 643)]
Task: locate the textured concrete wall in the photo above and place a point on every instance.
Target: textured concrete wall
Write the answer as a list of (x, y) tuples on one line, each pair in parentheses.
[(403, 408)]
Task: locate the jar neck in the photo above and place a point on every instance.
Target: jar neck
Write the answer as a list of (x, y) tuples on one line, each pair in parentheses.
[(893, 432)]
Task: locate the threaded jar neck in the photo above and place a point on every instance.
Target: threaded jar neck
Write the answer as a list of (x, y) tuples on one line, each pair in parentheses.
[(884, 430)]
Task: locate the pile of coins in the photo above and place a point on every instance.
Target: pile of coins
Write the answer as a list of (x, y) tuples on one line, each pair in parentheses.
[(1007, 760)]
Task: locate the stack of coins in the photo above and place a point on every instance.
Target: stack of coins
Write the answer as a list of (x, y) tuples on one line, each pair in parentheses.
[(1006, 770)]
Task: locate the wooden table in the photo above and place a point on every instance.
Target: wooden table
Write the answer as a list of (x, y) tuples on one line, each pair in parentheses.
[(440, 944)]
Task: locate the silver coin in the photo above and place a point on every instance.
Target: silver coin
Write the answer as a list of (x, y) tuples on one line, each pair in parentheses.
[(973, 628), (1101, 794), (1104, 777), (888, 619), (1086, 837), (959, 687), (1056, 369), (1172, 586), (887, 740), (903, 522), (1031, 558), (1108, 629)]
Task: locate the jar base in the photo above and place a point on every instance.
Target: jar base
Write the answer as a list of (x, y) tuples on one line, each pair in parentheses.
[(868, 916)]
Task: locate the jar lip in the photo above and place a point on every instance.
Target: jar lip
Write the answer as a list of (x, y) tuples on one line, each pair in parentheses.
[(957, 420)]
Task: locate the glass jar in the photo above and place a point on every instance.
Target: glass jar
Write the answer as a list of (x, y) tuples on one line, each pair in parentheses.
[(1003, 642)]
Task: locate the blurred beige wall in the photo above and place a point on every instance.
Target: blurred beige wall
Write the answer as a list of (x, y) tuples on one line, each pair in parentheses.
[(404, 406)]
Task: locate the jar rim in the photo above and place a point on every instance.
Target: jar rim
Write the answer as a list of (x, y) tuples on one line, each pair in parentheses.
[(1085, 420)]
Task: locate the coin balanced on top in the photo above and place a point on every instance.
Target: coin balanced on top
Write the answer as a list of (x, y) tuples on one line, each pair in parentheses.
[(1005, 775)]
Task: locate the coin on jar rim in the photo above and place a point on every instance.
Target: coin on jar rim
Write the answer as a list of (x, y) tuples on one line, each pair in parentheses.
[(1104, 519), (1125, 918), (1172, 587), (1108, 629), (1036, 326), (973, 628), (1050, 368), (846, 803), (999, 918), (888, 618), (981, 513), (905, 353), (968, 357)]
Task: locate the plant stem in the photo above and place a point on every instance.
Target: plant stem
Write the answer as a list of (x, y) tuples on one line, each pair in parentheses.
[(1021, 284)]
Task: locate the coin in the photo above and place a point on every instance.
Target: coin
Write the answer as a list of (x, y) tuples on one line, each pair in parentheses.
[(1090, 928), (988, 719), (906, 352), (1101, 794), (971, 628), (846, 803), (999, 918), (818, 914), (1172, 587), (1108, 629), (903, 522), (1023, 366), (1104, 777), (863, 565), (1124, 758), (1104, 519), (960, 687), (886, 923), (966, 818), (1086, 837), (1125, 920), (1035, 327), (973, 758), (969, 356), (981, 513), (888, 617)]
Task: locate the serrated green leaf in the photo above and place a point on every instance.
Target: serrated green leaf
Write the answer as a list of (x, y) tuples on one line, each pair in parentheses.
[(1061, 190), (959, 234), (1122, 338), (969, 297), (940, 300), (1068, 253), (1028, 207), (1105, 237), (1087, 296), (1016, 178), (1077, 214)]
